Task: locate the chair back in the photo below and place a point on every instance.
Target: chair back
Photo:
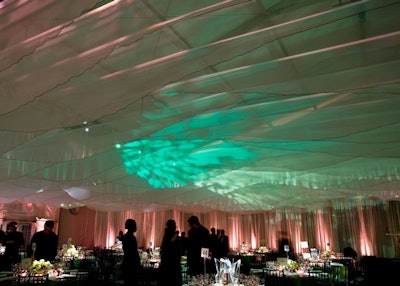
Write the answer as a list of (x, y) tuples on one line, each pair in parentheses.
[(82, 278), (35, 279)]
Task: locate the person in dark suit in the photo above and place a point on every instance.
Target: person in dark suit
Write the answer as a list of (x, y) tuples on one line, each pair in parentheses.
[(224, 244), (213, 242), (44, 243), (197, 239), (2, 237), (183, 243), (283, 244), (214, 251), (120, 234), (14, 240), (350, 252), (130, 266), (170, 264), (3, 243)]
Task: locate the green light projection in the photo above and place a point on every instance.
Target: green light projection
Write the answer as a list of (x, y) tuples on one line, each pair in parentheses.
[(178, 163)]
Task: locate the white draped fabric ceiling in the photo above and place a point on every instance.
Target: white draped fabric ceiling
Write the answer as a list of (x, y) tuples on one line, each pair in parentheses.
[(240, 106)]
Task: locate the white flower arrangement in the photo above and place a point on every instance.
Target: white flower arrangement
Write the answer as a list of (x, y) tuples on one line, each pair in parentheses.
[(40, 266), (72, 251)]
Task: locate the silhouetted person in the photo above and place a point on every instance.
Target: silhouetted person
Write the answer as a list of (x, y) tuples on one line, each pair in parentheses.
[(282, 242), (170, 264), (350, 252), (224, 244), (213, 243), (44, 243), (14, 240), (350, 260), (183, 243), (120, 234), (197, 239), (2, 237), (3, 243), (214, 250), (130, 266)]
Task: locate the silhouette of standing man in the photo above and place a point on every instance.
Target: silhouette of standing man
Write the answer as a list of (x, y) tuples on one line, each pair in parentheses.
[(130, 266), (197, 239), (44, 243), (14, 240)]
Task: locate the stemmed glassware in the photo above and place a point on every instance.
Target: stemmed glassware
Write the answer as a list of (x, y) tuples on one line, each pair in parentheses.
[(33, 248)]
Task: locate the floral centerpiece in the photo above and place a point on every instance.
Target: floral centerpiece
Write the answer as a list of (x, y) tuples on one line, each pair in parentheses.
[(68, 251), (69, 255), (292, 264), (243, 248), (72, 251), (262, 249), (40, 266), (328, 253), (209, 280)]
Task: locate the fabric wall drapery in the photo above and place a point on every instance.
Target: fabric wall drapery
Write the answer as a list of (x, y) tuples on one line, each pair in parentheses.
[(77, 227), (26, 212), (368, 228)]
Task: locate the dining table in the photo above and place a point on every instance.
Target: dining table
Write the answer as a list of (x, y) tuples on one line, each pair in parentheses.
[(63, 279), (7, 277), (52, 279), (296, 278)]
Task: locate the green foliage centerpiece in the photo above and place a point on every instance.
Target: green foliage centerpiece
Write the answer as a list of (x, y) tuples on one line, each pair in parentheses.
[(40, 267)]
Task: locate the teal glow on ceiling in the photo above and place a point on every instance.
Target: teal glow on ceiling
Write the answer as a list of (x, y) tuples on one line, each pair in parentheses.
[(178, 163)]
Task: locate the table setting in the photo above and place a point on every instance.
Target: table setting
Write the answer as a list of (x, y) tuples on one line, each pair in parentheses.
[(227, 273)]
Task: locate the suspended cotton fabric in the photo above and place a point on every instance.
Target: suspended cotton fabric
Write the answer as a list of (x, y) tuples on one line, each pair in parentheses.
[(240, 106)]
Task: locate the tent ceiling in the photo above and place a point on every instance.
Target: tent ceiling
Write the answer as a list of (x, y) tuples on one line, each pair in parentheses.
[(232, 105)]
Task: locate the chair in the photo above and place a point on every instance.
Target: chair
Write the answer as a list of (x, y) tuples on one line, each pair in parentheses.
[(274, 278), (82, 278), (34, 279), (8, 280), (106, 262), (149, 277), (339, 273), (91, 266), (184, 269), (257, 272), (318, 278)]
